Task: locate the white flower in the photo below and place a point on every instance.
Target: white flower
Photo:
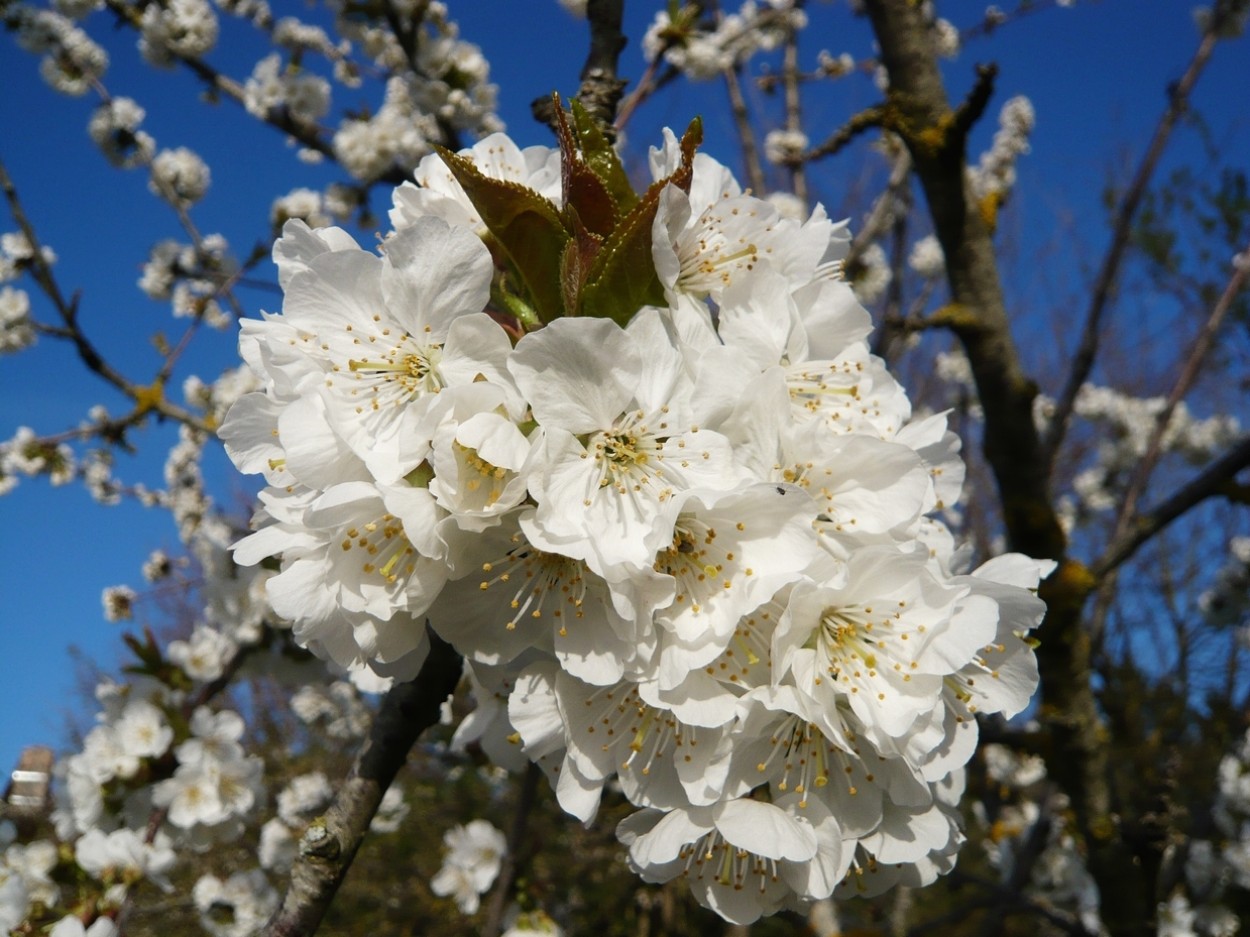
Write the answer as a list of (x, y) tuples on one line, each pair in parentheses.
[(391, 811), (179, 176), (119, 603), (945, 35), (115, 129), (16, 330), (438, 193), (177, 28), (741, 858), (124, 853), (926, 257), (204, 655), (142, 730), (278, 847), (236, 907), (379, 338), (72, 926), (474, 854), (303, 794), (883, 643), (785, 146), (874, 274), (622, 435), (14, 899), (305, 204)]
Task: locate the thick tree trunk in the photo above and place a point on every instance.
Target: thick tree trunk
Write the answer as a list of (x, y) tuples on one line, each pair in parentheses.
[(919, 111)]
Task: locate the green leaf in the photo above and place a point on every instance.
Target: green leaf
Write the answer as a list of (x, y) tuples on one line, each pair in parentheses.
[(585, 194), (525, 226), (623, 278), (600, 155)]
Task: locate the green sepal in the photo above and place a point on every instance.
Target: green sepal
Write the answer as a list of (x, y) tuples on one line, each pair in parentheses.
[(526, 226), (502, 297), (600, 155), (623, 278), (421, 476)]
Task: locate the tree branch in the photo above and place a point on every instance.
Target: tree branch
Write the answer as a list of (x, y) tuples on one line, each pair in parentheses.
[(794, 116), (146, 399), (1104, 284), (1217, 479), (1189, 374), (746, 134), (328, 847), (601, 88)]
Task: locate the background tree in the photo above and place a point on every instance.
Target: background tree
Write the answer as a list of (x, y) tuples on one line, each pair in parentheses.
[(1102, 431)]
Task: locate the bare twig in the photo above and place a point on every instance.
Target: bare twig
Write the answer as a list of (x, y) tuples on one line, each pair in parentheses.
[(1189, 374), (147, 399), (836, 141), (1108, 273), (881, 216), (746, 133), (794, 114), (1216, 480), (652, 81)]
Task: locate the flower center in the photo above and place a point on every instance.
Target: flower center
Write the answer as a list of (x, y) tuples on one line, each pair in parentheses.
[(538, 580), (403, 371), (389, 554), (727, 864)]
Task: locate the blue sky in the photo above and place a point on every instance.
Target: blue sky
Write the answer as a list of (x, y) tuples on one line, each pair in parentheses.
[(1096, 76)]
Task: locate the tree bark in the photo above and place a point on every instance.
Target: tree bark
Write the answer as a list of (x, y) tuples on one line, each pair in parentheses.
[(918, 109), (329, 845)]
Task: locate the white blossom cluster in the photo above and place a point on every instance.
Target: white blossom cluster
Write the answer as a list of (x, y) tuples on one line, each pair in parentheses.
[(304, 796), (995, 173), (114, 128), (1024, 810), (1227, 602), (71, 61), (237, 906), (17, 329), (16, 255), (189, 276), (17, 332), (1216, 869), (336, 710), (305, 96), (1128, 423), (784, 146), (446, 88), (179, 176), (872, 275), (27, 876), (113, 788), (695, 554), (27, 456), (702, 53), (213, 786), (175, 29), (926, 257)]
